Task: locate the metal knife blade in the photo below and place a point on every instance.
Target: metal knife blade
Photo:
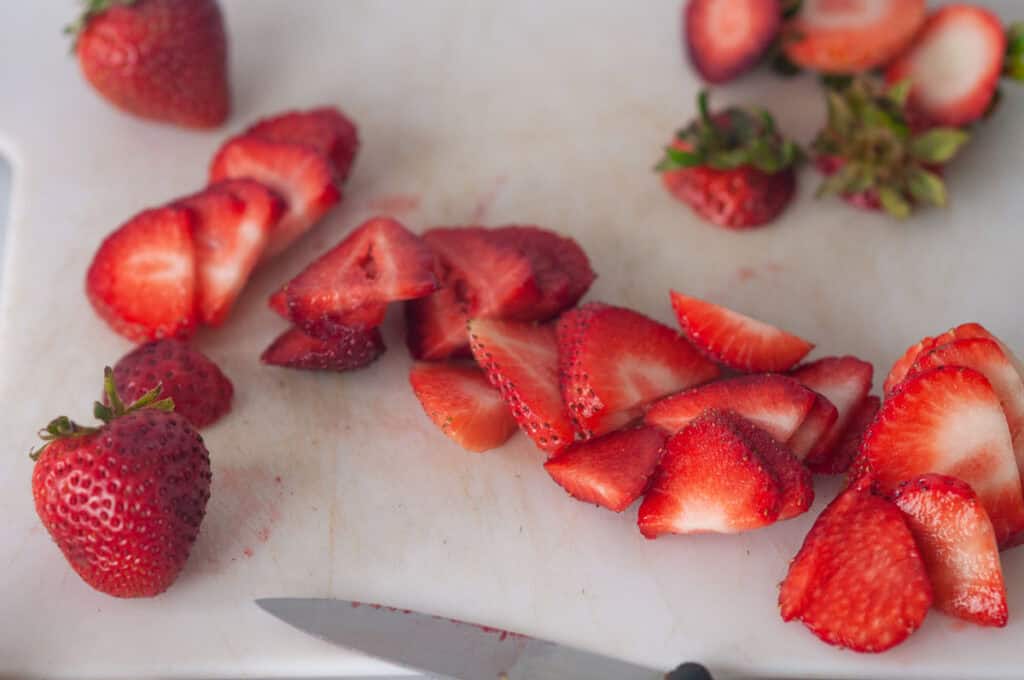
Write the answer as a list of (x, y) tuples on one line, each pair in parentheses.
[(444, 647)]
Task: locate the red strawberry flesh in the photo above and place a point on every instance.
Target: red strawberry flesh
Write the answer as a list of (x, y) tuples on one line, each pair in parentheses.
[(347, 351), (325, 129), (725, 38)]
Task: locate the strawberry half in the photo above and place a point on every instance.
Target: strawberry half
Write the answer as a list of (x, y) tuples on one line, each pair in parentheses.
[(845, 382), (776, 403), (949, 421), (902, 367), (726, 38), (521, 360), (142, 279), (611, 471), (300, 175), (820, 420), (848, 447), (346, 351), (958, 544), (613, 361), (350, 285), (325, 130), (858, 581), (735, 340)]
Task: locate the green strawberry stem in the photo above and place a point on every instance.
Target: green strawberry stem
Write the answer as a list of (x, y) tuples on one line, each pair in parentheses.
[(1013, 66)]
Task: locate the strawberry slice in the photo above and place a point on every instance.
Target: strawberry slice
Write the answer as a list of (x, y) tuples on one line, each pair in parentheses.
[(726, 38), (735, 340), (954, 64), (711, 479), (814, 429), (848, 447), (461, 402), (521, 360), (850, 37), (858, 581), (776, 403), (613, 361), (611, 471), (351, 284), (300, 175), (906, 362), (958, 544), (325, 130), (278, 302), (845, 382), (346, 351), (142, 279), (948, 420), (436, 325), (796, 491)]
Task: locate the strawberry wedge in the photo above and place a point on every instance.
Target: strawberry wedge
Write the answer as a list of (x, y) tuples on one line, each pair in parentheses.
[(325, 130), (347, 351), (902, 367), (820, 420), (848, 447), (725, 38), (845, 382)]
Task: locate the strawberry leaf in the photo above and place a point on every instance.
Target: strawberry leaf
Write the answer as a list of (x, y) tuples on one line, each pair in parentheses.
[(677, 159), (898, 93), (938, 145), (1013, 66), (926, 187), (893, 202)]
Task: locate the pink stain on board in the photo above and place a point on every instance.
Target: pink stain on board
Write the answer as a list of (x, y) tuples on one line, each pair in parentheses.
[(395, 204), (486, 202)]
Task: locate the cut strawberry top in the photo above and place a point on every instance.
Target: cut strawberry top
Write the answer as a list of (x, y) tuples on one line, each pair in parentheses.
[(735, 340), (326, 130), (726, 37), (845, 382)]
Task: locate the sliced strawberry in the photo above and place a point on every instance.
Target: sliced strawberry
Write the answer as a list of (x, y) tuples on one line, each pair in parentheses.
[(436, 326), (611, 471), (796, 490), (461, 402), (521, 360), (326, 130), (850, 37), (278, 301), (848, 447), (300, 175), (954, 64), (345, 352), (858, 581), (845, 382), (814, 429), (142, 279), (711, 479), (776, 403), (613, 361), (351, 284), (958, 544), (948, 420), (906, 362), (726, 38)]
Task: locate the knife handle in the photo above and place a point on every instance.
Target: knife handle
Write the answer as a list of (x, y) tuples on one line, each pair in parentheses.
[(689, 671)]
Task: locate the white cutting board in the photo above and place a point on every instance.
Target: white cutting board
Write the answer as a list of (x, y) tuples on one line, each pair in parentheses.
[(337, 485)]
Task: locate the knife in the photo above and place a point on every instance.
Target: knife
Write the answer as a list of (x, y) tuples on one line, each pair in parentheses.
[(454, 649)]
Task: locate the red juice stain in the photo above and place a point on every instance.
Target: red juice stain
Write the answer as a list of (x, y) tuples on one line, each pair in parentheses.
[(247, 552), (395, 204)]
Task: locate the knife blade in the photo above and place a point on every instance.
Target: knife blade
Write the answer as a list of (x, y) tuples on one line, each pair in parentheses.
[(454, 649)]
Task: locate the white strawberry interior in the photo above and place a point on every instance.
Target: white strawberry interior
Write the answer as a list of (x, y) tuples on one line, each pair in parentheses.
[(843, 14), (977, 433), (948, 63)]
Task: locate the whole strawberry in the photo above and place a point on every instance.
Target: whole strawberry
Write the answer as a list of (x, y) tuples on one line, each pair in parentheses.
[(123, 500), (159, 59), (733, 168)]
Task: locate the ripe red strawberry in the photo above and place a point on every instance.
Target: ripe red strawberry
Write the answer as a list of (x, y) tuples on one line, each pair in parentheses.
[(848, 447), (521, 360), (142, 280), (278, 302), (820, 419), (350, 285), (850, 37), (903, 365), (159, 59), (200, 391), (737, 341), (733, 169), (436, 325), (123, 500), (776, 403), (461, 402), (346, 351), (949, 421), (326, 130), (611, 471), (958, 545), (845, 382), (725, 38), (953, 65), (303, 177), (613, 361), (859, 580)]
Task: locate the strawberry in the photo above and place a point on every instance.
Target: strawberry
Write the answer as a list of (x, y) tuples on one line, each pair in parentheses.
[(303, 177), (611, 471), (123, 500), (521, 360), (845, 382), (820, 420), (847, 448), (160, 59), (733, 168), (875, 156), (326, 130), (953, 65), (737, 341), (200, 391), (278, 302), (350, 285), (958, 546), (949, 421), (775, 403), (142, 279), (461, 402), (858, 580), (436, 325), (850, 37), (725, 38), (965, 331), (346, 351), (613, 361)]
